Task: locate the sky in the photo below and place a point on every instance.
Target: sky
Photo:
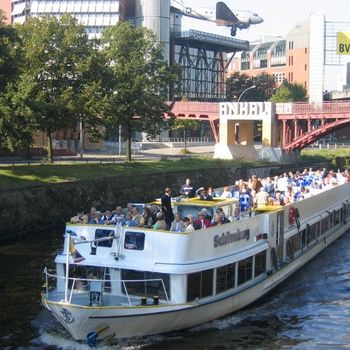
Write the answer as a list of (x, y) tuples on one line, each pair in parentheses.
[(279, 16)]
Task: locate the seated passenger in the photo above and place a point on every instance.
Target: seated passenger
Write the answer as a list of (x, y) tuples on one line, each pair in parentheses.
[(188, 224), (146, 218), (129, 221), (97, 219), (201, 222), (135, 215), (217, 221), (80, 218), (224, 219), (204, 195), (119, 216), (226, 193), (160, 224), (177, 225), (108, 218)]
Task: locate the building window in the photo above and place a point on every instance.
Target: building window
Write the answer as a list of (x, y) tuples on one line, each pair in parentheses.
[(291, 76), (305, 50), (200, 284), (245, 270), (263, 63), (245, 65), (305, 67), (225, 277)]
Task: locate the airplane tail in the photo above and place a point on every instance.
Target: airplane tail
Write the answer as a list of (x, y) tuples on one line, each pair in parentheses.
[(224, 16)]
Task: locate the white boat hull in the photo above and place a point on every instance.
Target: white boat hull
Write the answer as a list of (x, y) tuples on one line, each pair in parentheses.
[(122, 322)]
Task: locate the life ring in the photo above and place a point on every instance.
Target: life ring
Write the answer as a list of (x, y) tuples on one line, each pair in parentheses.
[(289, 250), (274, 262)]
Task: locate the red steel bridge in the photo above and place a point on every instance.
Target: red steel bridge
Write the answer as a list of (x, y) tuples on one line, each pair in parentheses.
[(301, 124)]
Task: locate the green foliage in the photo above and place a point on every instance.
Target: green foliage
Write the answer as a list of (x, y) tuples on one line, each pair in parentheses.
[(137, 89), (289, 92), (55, 85), (237, 83)]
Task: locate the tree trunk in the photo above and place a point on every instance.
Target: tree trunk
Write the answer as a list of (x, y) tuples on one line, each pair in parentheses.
[(49, 147), (128, 144)]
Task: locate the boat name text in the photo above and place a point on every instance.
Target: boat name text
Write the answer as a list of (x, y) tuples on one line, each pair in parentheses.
[(230, 237)]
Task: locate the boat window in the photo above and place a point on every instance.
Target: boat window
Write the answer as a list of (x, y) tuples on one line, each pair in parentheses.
[(145, 288), (200, 284), (225, 277), (311, 232), (324, 225), (296, 242), (303, 238), (337, 217), (245, 270), (260, 263), (101, 234), (134, 240)]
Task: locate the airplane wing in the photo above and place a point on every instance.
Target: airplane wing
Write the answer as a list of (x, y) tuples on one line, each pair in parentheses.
[(224, 16)]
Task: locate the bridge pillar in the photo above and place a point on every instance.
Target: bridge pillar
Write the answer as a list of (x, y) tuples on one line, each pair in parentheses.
[(236, 138)]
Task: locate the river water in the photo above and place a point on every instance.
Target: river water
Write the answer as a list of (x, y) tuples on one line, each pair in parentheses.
[(309, 311)]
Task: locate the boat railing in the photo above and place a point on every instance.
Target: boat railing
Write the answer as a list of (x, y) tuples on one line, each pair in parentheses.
[(89, 281)]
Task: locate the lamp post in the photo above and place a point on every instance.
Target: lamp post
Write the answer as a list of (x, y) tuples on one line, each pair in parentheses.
[(244, 91)]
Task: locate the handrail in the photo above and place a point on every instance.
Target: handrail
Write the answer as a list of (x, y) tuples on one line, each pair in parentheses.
[(74, 279)]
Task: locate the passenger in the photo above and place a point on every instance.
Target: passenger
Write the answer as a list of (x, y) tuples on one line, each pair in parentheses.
[(177, 225), (146, 218), (80, 218), (205, 196), (166, 207), (160, 224), (188, 226), (224, 219), (135, 215), (128, 209), (245, 200), (236, 214), (119, 216), (226, 193), (154, 210), (129, 221), (92, 213), (256, 184), (187, 189), (269, 186), (108, 218), (97, 219), (262, 197), (217, 221), (201, 222), (206, 215)]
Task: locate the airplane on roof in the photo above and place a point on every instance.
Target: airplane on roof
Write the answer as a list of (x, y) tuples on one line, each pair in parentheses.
[(222, 15)]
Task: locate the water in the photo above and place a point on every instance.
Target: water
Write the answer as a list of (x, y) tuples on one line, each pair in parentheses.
[(309, 311)]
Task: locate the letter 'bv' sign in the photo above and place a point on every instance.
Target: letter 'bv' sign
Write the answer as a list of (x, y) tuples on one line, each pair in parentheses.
[(343, 43)]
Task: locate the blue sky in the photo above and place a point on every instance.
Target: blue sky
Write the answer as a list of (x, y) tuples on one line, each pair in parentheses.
[(279, 15)]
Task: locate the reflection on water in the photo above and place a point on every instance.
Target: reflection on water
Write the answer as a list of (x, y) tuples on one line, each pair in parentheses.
[(309, 311)]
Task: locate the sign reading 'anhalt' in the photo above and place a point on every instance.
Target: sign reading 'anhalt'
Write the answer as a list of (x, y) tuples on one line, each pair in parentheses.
[(343, 43)]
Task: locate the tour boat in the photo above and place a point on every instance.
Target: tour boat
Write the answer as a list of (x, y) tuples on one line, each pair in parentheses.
[(117, 282)]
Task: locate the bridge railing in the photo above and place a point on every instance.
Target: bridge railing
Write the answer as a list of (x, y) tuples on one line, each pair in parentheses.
[(310, 108)]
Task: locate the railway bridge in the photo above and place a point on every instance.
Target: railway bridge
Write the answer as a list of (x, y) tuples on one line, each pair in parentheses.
[(297, 124)]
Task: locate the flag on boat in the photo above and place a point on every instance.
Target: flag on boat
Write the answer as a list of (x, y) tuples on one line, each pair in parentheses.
[(77, 257)]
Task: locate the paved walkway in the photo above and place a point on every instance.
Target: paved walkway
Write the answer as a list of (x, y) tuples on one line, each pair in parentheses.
[(108, 157)]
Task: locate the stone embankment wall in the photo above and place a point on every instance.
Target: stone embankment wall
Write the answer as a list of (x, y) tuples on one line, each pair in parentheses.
[(39, 208)]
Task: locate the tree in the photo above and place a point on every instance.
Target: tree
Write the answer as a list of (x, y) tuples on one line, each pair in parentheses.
[(289, 92), (15, 127), (54, 82), (137, 90), (237, 83), (185, 125)]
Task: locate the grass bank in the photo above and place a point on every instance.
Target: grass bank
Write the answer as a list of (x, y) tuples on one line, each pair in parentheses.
[(25, 175)]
